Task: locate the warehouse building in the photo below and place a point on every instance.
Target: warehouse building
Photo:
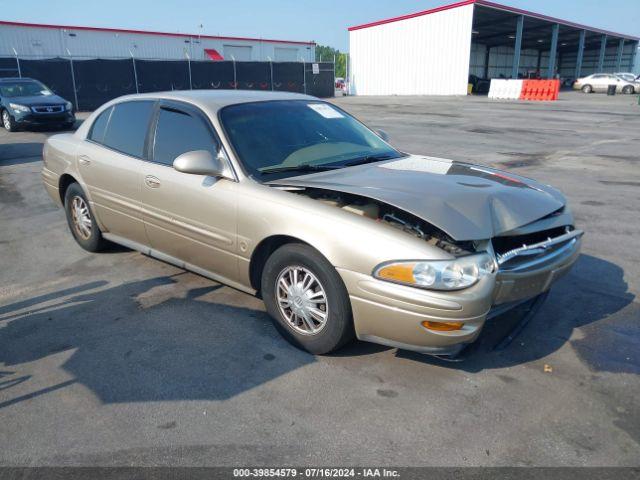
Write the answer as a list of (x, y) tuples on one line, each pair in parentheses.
[(36, 41), (433, 52)]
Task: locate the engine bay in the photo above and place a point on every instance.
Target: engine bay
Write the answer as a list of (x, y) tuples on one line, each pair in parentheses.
[(392, 216)]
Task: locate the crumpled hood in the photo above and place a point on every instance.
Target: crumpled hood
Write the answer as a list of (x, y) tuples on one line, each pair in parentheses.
[(468, 202)]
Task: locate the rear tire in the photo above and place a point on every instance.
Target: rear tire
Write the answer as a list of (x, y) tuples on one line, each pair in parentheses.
[(8, 122), (298, 311), (81, 220), (587, 89)]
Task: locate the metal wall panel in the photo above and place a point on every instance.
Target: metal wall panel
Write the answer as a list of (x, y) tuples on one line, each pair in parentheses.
[(40, 42), (501, 61), (424, 55)]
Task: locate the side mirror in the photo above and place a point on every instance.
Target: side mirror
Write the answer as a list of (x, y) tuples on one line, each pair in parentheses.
[(383, 135), (200, 162)]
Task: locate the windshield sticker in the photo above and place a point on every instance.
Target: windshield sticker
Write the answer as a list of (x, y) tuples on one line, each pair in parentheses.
[(420, 164), (325, 110)]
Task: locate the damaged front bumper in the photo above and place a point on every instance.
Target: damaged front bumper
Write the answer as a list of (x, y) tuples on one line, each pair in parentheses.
[(393, 315)]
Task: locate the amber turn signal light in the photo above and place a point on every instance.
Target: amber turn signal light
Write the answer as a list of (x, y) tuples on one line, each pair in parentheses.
[(443, 326)]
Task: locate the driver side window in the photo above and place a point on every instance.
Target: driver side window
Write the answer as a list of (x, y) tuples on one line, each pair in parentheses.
[(178, 132)]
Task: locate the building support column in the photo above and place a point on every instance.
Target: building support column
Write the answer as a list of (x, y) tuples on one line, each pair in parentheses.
[(583, 35), (619, 55), (632, 64), (603, 51), (517, 48), (487, 53), (553, 51)]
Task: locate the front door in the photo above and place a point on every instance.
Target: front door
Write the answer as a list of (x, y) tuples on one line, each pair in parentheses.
[(110, 162), (189, 217)]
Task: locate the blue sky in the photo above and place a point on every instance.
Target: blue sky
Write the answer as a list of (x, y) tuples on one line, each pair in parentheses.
[(324, 21)]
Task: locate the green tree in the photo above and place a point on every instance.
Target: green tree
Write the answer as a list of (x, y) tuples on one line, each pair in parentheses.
[(326, 54)]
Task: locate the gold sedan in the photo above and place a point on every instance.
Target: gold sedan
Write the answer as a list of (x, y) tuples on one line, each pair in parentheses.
[(289, 197)]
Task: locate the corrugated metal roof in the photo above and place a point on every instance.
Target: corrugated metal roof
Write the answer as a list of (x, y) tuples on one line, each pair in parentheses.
[(145, 32), (496, 6)]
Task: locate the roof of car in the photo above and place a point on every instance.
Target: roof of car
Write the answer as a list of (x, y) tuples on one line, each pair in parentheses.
[(217, 99)]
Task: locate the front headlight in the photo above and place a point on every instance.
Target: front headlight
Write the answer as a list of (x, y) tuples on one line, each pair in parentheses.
[(20, 108), (455, 274), (68, 106)]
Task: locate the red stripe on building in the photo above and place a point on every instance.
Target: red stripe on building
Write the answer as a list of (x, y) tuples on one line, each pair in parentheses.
[(496, 6), (146, 32), (413, 15)]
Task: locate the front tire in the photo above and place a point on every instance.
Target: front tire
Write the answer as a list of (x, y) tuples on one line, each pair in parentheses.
[(307, 299), (628, 90), (8, 122), (587, 89), (81, 220)]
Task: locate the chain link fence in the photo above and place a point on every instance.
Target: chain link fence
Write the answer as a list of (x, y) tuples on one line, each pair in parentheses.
[(89, 83)]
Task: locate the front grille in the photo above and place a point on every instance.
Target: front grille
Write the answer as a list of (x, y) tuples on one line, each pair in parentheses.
[(501, 245), (48, 108), (527, 252)]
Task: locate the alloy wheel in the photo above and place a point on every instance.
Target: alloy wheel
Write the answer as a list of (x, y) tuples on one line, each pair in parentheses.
[(81, 217), (302, 300), (6, 121)]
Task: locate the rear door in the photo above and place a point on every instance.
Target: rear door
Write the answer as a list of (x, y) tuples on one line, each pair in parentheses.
[(601, 82), (110, 163), (189, 217)]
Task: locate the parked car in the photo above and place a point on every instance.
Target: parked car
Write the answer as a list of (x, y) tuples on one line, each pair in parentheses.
[(599, 82), (629, 77), (27, 102), (289, 197), (339, 83)]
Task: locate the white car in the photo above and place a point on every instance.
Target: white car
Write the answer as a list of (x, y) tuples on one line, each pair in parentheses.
[(599, 82), (629, 77)]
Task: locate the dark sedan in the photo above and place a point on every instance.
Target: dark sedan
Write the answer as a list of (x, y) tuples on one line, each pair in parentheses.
[(27, 102)]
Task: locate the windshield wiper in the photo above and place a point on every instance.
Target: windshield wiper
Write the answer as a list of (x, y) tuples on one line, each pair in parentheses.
[(367, 159), (300, 168)]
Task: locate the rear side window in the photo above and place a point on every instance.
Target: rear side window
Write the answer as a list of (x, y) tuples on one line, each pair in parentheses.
[(178, 132), (128, 126), (100, 126)]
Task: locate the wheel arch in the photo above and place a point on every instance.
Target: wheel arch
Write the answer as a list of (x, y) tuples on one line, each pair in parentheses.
[(262, 252), (66, 179)]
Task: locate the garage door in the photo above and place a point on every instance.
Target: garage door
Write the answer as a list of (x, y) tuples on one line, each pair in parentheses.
[(286, 54), (238, 52)]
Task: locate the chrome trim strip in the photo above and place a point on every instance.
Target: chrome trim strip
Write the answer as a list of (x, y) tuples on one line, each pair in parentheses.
[(146, 250), (47, 109), (541, 247)]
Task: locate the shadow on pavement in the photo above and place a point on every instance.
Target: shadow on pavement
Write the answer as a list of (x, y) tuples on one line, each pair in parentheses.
[(142, 341), (20, 153), (163, 339), (591, 309)]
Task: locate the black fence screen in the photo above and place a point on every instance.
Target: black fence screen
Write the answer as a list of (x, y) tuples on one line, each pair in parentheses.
[(100, 80), (162, 75), (320, 79), (8, 67), (54, 73), (207, 75), (289, 77)]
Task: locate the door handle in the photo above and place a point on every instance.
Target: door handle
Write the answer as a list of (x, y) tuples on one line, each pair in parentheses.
[(84, 160), (151, 181)]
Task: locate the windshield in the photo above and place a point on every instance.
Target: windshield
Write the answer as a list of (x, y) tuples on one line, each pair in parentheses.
[(277, 139), (23, 89)]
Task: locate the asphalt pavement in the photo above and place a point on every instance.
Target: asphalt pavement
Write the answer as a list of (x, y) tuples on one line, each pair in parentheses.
[(120, 359)]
